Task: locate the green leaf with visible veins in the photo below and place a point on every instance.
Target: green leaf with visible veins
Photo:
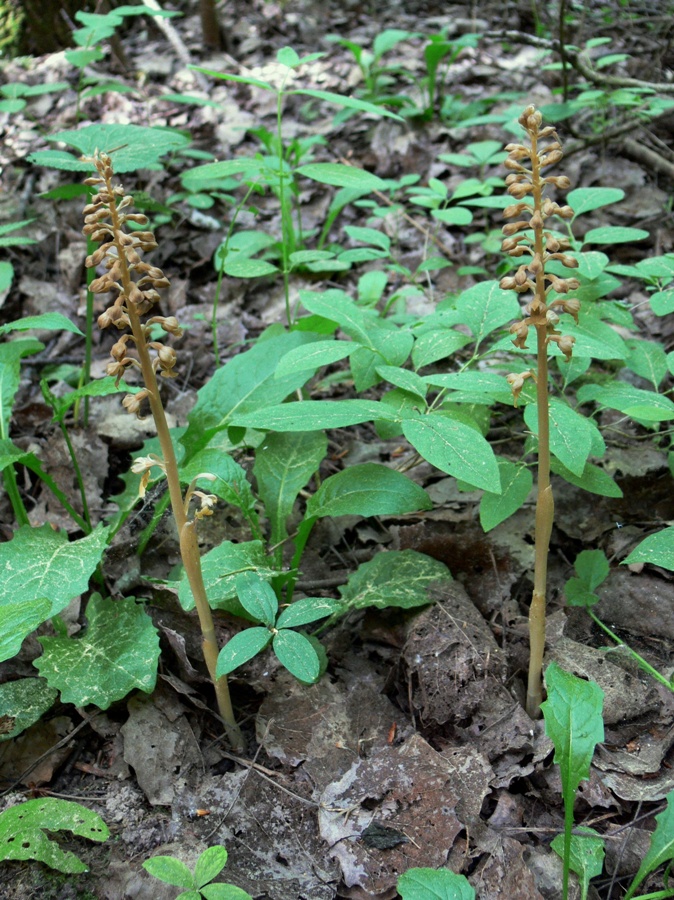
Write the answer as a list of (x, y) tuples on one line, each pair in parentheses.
[(24, 701), (23, 827), (516, 484), (220, 566), (397, 578), (587, 855), (284, 463), (117, 654), (18, 620), (296, 653), (657, 549), (434, 884), (368, 489), (661, 849), (313, 415), (41, 562), (242, 647)]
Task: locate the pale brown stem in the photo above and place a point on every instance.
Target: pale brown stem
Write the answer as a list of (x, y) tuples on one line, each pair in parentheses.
[(189, 549)]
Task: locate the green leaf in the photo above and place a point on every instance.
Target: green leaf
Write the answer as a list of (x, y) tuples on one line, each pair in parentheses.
[(6, 275), (455, 448), (369, 489), (284, 463), (657, 549), (307, 610), (349, 103), (405, 380), (42, 563), (211, 862), (614, 234), (573, 722), (24, 701), (202, 177), (592, 568), (249, 268), (240, 79), (257, 597), (594, 479), (661, 849), (230, 484), (484, 307), (438, 344), (118, 653), (240, 648), (399, 578), (138, 146), (11, 354), (341, 175), (586, 857), (516, 483), (314, 415), (369, 236), (662, 302), (169, 870), (288, 57), (224, 892), (30, 820), (645, 406), (297, 654), (455, 215), (647, 359), (17, 620), (434, 884), (586, 199), (577, 593), (313, 356), (220, 567), (244, 385), (570, 433)]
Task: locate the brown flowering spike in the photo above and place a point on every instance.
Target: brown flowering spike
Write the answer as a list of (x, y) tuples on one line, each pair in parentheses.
[(527, 239), (135, 284)]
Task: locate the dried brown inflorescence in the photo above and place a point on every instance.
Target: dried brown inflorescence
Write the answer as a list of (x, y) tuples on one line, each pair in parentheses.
[(543, 246)]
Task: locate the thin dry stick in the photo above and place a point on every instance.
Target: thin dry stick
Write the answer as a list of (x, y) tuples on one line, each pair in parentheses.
[(532, 277), (120, 251)]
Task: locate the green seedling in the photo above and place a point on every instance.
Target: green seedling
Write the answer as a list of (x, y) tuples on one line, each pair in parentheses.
[(434, 884), (198, 884)]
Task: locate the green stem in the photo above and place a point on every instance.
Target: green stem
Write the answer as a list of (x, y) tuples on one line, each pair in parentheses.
[(78, 475), (12, 489), (647, 667)]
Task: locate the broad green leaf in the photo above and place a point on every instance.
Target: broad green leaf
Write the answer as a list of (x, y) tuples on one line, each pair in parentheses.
[(242, 647), (614, 234), (661, 849), (6, 275), (24, 701), (240, 79), (42, 563), (313, 356), (586, 199), (657, 549), (570, 433), (647, 359), (220, 567), (433, 346), (336, 306), (169, 870), (249, 268), (492, 386), (455, 448), (224, 892), (284, 463), (592, 567), (307, 610), (11, 354), (516, 484), (455, 215), (341, 175), (577, 593), (434, 884), (573, 722), (662, 302), (369, 236), (230, 484), (586, 857), (257, 597), (202, 177), (288, 57), (591, 264), (388, 38), (593, 479), (244, 385), (117, 654), (349, 103), (405, 380), (211, 862), (297, 654), (135, 146), (17, 620), (312, 415), (398, 578), (46, 321), (32, 819), (484, 307), (645, 406), (369, 489)]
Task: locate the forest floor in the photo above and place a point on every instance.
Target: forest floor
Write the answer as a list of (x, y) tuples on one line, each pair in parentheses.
[(414, 749)]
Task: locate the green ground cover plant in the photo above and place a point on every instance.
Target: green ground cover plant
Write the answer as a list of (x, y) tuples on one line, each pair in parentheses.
[(199, 883)]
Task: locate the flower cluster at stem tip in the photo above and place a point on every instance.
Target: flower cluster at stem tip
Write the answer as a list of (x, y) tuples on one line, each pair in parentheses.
[(120, 253), (543, 246)]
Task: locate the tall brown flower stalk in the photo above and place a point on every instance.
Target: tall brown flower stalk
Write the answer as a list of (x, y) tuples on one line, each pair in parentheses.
[(136, 285), (528, 237)]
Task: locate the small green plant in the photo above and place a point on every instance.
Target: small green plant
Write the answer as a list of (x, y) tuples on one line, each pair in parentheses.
[(198, 884), (434, 884)]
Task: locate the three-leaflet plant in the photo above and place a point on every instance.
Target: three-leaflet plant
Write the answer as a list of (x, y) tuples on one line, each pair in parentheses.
[(531, 276), (106, 217)]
